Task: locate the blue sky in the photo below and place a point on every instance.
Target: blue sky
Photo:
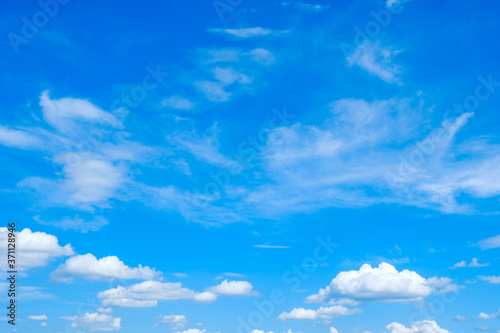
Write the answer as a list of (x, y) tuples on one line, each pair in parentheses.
[(252, 166)]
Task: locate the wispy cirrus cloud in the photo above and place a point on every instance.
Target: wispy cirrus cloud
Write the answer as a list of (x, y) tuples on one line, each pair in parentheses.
[(377, 60), (248, 32)]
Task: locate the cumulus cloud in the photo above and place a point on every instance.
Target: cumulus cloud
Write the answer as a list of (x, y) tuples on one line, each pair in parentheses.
[(459, 318), (89, 267), (175, 322), (333, 330), (425, 326), (473, 263), (95, 322), (483, 315), (233, 288), (321, 313), (34, 249), (148, 293), (38, 317), (377, 60), (490, 279), (382, 283)]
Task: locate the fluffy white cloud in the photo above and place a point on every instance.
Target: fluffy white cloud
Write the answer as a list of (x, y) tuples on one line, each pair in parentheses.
[(425, 326), (34, 249), (89, 267), (233, 288), (175, 322), (194, 330), (377, 60), (382, 283), (490, 243), (104, 310), (473, 263), (490, 279), (38, 317), (333, 330), (321, 313), (261, 331), (483, 315), (95, 322), (148, 293), (19, 138)]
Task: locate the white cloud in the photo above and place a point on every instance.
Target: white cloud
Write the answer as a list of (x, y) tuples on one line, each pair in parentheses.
[(305, 7), (214, 91), (425, 326), (262, 56), (473, 263), (38, 317), (272, 246), (44, 324), (377, 60), (247, 32), (319, 314), (104, 310), (395, 3), (194, 330), (383, 283), (178, 102), (459, 318), (19, 138), (483, 315), (490, 243), (261, 331), (63, 113), (33, 249), (89, 267), (76, 223), (233, 288), (148, 293), (490, 279), (95, 322), (333, 330), (175, 322)]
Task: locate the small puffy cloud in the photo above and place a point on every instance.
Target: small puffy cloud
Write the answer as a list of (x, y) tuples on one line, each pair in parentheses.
[(175, 322), (37, 317), (333, 330), (490, 279), (382, 283), (44, 324), (459, 318), (262, 56), (95, 322), (425, 326), (104, 310), (194, 330), (246, 32), (148, 293), (89, 267), (261, 331), (233, 288), (321, 313), (483, 315), (482, 328), (377, 60), (34, 249), (178, 102), (473, 263), (490, 243)]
